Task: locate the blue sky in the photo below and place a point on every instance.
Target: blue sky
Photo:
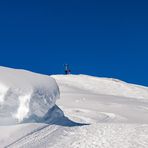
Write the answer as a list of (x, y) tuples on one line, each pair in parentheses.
[(101, 38)]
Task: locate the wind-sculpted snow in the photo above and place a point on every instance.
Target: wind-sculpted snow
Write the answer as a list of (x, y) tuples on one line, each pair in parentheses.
[(25, 94)]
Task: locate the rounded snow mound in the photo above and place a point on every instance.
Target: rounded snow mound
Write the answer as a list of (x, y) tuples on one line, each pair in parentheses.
[(25, 94)]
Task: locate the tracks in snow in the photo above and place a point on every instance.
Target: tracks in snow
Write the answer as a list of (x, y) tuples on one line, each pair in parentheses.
[(34, 138)]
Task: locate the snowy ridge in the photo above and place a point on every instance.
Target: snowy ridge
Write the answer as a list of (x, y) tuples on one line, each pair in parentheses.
[(107, 86)]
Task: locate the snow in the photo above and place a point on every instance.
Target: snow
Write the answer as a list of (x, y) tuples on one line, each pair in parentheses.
[(81, 102), (107, 86), (25, 94), (98, 112), (105, 136)]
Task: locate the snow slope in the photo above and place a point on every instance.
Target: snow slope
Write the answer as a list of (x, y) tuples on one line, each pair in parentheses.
[(85, 103), (107, 86), (24, 95), (99, 113)]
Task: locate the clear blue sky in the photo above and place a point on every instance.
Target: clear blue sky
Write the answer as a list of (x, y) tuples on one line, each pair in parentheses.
[(101, 38)]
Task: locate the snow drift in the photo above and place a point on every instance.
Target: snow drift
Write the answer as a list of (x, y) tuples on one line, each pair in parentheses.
[(25, 94)]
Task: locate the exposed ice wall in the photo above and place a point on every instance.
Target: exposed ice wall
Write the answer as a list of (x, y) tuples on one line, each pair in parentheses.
[(25, 94)]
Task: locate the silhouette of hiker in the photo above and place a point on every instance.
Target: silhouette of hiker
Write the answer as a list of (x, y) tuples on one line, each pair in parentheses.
[(67, 70)]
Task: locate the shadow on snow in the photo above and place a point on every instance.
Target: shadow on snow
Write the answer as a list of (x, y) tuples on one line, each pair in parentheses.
[(54, 116)]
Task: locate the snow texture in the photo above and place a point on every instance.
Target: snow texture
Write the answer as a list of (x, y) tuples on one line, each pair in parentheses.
[(25, 94), (107, 86), (98, 113)]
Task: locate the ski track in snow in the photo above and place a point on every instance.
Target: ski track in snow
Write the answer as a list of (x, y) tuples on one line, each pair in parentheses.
[(34, 138), (91, 136)]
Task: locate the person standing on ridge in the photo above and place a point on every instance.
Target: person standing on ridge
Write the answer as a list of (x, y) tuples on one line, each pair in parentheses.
[(67, 69)]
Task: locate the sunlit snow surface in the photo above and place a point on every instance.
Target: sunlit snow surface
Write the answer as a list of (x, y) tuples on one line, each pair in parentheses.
[(24, 94), (102, 113)]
